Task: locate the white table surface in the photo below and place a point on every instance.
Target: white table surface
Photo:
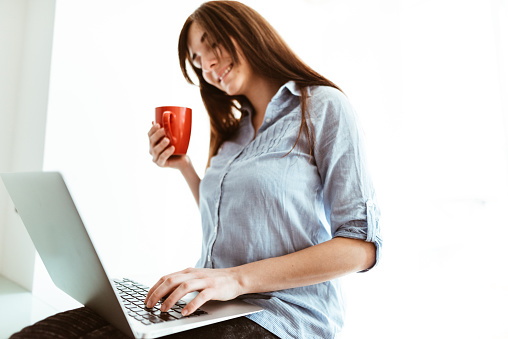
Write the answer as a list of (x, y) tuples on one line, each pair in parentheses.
[(19, 308)]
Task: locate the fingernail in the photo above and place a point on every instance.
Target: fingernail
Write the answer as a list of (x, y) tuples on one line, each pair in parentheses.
[(184, 312)]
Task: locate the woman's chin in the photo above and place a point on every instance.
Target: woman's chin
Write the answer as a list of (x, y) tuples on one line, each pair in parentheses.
[(232, 89)]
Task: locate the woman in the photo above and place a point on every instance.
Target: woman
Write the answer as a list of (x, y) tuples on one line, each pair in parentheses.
[(287, 204)]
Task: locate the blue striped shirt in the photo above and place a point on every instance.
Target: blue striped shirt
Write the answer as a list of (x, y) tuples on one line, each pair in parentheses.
[(257, 203)]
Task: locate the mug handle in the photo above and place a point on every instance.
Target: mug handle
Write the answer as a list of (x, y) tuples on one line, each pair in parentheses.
[(166, 123)]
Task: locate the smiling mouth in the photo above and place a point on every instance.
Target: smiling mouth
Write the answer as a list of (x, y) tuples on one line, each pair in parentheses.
[(225, 72)]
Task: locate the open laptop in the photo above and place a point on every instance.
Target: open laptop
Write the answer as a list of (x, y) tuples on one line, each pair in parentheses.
[(45, 206)]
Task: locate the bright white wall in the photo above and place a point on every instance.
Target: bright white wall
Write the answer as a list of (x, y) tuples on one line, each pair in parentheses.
[(26, 33), (111, 68)]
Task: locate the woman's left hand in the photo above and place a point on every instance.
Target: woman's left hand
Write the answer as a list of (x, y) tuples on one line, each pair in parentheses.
[(212, 284)]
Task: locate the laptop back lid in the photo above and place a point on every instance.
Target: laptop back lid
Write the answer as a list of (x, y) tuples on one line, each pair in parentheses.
[(60, 237)]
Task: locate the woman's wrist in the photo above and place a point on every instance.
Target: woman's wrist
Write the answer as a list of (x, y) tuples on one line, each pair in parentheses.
[(240, 276), (184, 163)]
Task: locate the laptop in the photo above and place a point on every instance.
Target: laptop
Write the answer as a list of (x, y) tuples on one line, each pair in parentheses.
[(50, 216)]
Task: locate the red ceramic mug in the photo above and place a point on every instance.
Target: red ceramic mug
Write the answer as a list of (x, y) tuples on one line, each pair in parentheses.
[(177, 123)]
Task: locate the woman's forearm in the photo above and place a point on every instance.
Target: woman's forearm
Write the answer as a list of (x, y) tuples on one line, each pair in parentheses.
[(323, 262), (192, 178)]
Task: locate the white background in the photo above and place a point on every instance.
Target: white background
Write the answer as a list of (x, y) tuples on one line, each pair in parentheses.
[(428, 80)]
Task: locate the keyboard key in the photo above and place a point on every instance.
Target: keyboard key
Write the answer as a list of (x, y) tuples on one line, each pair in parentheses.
[(151, 310), (175, 314), (154, 319), (166, 316)]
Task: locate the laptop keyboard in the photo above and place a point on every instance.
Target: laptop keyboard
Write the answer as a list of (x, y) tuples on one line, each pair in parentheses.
[(133, 296)]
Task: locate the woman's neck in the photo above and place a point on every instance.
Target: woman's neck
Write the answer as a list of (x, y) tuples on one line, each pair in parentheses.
[(260, 96)]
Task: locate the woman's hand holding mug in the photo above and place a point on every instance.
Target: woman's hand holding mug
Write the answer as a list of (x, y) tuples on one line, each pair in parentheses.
[(170, 135)]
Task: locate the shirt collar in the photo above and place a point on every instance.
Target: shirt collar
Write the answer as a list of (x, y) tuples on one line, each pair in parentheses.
[(293, 88)]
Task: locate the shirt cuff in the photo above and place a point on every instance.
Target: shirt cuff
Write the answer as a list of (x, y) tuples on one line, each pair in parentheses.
[(367, 230)]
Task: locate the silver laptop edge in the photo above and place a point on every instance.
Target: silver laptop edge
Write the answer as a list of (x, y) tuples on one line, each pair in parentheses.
[(50, 216)]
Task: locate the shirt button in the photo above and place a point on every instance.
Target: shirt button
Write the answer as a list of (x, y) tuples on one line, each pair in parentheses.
[(209, 258), (230, 161), (268, 120), (215, 229)]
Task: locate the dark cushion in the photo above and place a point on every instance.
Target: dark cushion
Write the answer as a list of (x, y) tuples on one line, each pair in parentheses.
[(85, 323), (78, 323)]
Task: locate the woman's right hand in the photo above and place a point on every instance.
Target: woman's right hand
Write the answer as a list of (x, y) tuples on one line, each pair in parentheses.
[(162, 151)]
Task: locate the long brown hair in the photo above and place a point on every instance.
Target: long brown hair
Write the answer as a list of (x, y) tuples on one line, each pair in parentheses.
[(264, 50)]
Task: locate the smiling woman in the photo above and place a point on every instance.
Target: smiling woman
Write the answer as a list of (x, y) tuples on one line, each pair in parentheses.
[(284, 213)]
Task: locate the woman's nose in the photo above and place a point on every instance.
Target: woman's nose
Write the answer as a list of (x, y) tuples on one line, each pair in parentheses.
[(209, 61)]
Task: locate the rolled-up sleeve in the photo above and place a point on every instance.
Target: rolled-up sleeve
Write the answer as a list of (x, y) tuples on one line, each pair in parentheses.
[(348, 193)]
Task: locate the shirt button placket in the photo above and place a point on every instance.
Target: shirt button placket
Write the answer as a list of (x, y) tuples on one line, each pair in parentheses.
[(217, 205)]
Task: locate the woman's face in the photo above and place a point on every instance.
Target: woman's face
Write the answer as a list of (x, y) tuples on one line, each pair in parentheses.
[(217, 65)]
